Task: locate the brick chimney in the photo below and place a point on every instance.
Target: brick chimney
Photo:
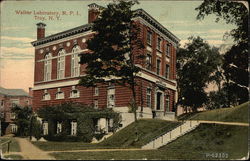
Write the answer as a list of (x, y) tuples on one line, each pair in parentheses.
[(94, 11), (40, 30)]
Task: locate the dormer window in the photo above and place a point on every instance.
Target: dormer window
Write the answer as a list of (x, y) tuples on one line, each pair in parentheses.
[(59, 94), (46, 95), (74, 93)]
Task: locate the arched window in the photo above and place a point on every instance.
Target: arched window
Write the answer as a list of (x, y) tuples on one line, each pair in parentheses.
[(61, 64), (47, 67), (75, 66)]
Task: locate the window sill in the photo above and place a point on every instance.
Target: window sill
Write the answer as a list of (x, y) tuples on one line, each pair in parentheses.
[(46, 100), (75, 97), (59, 98)]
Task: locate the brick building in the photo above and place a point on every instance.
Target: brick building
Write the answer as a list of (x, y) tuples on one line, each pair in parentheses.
[(8, 99), (57, 70)]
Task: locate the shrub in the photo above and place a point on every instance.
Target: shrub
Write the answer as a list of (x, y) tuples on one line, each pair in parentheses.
[(82, 114)]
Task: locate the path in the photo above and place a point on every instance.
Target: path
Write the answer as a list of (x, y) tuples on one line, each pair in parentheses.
[(97, 150), (224, 123), (30, 151)]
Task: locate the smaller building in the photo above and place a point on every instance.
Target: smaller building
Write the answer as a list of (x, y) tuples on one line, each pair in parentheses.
[(8, 99)]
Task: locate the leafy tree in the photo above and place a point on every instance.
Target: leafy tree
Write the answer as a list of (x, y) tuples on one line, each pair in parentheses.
[(197, 63), (22, 119), (235, 64), (114, 48)]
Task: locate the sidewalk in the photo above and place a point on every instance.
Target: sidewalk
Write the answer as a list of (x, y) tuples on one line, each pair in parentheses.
[(31, 152), (224, 123)]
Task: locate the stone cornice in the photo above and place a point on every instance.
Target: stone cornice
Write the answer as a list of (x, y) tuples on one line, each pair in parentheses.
[(156, 24), (87, 27)]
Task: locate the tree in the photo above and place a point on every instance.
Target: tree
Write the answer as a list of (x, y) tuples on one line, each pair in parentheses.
[(235, 64), (197, 63), (22, 119), (114, 48)]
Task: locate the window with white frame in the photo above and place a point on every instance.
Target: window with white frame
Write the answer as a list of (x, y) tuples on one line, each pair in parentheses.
[(14, 102), (75, 93), (59, 127), (75, 59), (168, 47), (159, 42), (149, 37), (46, 95), (47, 67), (167, 71), (73, 127), (61, 64), (96, 91), (167, 103), (111, 97), (148, 101), (13, 128), (45, 128), (158, 66), (96, 104), (59, 94), (149, 61)]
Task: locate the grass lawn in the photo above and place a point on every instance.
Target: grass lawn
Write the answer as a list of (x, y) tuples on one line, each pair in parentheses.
[(125, 138), (233, 114), (208, 141), (13, 157), (14, 146)]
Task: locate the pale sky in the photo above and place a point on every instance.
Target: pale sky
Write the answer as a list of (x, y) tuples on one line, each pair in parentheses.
[(17, 31)]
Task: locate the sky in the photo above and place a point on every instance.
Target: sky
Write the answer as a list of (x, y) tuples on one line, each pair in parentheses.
[(18, 30)]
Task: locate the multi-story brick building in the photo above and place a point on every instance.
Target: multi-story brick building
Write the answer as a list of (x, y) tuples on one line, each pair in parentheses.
[(57, 70), (8, 99)]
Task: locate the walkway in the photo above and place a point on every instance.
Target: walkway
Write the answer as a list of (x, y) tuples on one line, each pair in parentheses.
[(31, 152), (224, 123)]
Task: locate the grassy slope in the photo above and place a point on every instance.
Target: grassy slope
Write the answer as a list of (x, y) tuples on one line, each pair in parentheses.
[(234, 114), (14, 146), (147, 129), (206, 139), (125, 138)]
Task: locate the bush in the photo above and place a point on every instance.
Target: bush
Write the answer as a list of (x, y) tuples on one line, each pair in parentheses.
[(36, 128), (82, 114)]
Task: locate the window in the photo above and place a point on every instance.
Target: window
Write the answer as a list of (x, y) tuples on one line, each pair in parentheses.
[(96, 91), (149, 62), (149, 37), (96, 104), (111, 97), (61, 64), (167, 71), (167, 103), (2, 103), (46, 95), (158, 67), (12, 115), (74, 92), (59, 94), (148, 97), (73, 127), (14, 102), (45, 128), (75, 59), (47, 67), (168, 47), (13, 128), (59, 127), (159, 41)]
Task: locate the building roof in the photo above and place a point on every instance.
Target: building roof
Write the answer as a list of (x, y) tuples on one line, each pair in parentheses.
[(83, 28), (13, 92)]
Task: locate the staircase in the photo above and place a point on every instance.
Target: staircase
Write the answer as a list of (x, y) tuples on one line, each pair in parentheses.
[(171, 135)]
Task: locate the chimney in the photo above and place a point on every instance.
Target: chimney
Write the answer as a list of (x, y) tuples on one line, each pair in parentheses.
[(40, 30), (94, 11)]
